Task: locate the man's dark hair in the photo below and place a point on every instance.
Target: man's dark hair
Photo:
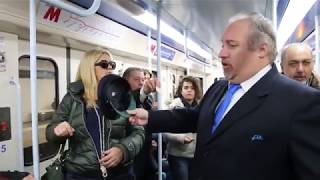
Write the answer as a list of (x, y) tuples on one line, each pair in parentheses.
[(129, 70)]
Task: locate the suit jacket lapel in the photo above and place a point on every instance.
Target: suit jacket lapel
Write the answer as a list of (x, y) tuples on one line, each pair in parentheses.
[(208, 114), (247, 103)]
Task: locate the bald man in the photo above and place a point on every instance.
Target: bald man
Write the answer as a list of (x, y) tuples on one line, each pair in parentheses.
[(297, 63)]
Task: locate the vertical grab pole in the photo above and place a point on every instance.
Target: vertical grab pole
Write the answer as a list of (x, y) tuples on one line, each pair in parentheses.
[(68, 62), (15, 83), (185, 34), (149, 51), (316, 31), (274, 14), (159, 78), (33, 79)]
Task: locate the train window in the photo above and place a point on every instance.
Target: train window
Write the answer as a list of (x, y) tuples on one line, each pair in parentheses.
[(48, 99)]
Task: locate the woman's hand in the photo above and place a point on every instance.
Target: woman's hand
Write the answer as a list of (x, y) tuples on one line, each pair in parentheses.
[(112, 157), (63, 129), (29, 177), (187, 140)]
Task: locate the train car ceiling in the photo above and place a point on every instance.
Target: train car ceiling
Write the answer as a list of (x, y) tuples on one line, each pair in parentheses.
[(207, 19), (112, 10), (204, 20), (301, 26), (136, 7)]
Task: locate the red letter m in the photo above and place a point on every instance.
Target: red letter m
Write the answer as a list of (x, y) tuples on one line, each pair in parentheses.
[(52, 12)]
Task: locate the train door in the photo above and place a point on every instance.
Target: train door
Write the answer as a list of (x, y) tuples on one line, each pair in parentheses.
[(48, 99), (170, 78), (51, 86), (11, 154)]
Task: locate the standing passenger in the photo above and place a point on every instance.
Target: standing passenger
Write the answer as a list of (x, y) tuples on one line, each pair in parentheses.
[(147, 75), (90, 150), (256, 124), (297, 63), (181, 147), (141, 88), (144, 167)]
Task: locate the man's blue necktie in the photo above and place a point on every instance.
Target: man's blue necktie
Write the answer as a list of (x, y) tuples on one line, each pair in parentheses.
[(222, 107)]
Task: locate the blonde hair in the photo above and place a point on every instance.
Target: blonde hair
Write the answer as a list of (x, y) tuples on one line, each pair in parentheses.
[(86, 73)]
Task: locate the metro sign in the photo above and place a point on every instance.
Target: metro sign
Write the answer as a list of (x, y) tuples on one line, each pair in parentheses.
[(153, 49), (166, 53), (52, 13)]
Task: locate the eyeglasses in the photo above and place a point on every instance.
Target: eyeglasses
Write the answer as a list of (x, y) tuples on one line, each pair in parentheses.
[(105, 64)]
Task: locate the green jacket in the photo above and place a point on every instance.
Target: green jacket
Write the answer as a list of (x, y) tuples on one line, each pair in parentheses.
[(82, 155)]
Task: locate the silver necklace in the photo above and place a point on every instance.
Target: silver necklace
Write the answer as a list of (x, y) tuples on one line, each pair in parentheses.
[(102, 142)]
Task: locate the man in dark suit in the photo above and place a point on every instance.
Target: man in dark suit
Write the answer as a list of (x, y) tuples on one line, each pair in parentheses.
[(267, 128)]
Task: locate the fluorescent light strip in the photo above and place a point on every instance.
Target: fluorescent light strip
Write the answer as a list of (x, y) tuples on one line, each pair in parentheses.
[(293, 15), (150, 20), (196, 48)]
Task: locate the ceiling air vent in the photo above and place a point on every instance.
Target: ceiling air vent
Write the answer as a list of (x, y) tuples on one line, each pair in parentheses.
[(136, 7)]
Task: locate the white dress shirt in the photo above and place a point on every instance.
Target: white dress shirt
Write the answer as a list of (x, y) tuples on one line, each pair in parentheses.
[(245, 86)]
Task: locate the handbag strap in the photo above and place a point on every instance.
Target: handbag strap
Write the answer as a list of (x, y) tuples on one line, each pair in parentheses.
[(69, 120)]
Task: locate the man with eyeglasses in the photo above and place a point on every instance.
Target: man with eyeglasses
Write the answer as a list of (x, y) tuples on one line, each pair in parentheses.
[(297, 63)]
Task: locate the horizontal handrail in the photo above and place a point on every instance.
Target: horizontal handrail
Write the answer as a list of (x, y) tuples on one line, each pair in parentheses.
[(81, 12)]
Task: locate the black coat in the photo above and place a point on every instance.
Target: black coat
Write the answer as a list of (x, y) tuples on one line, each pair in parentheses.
[(144, 167), (271, 133)]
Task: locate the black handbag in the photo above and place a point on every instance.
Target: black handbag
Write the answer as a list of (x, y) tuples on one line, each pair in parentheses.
[(55, 170)]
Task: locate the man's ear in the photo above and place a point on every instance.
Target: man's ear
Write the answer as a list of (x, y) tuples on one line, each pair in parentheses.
[(263, 50)]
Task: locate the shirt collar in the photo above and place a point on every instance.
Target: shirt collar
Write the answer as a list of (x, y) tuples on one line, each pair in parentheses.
[(246, 85)]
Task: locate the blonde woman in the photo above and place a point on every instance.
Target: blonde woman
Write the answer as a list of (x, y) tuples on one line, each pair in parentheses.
[(97, 146)]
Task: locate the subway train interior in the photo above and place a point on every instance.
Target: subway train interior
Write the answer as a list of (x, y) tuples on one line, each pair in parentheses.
[(189, 36)]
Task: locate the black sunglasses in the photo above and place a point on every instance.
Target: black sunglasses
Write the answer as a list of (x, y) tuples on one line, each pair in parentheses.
[(105, 64)]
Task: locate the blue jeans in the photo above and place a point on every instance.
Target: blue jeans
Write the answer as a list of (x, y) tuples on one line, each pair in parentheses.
[(179, 167)]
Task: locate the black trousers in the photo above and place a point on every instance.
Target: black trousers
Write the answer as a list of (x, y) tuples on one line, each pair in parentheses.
[(120, 173), (73, 176)]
